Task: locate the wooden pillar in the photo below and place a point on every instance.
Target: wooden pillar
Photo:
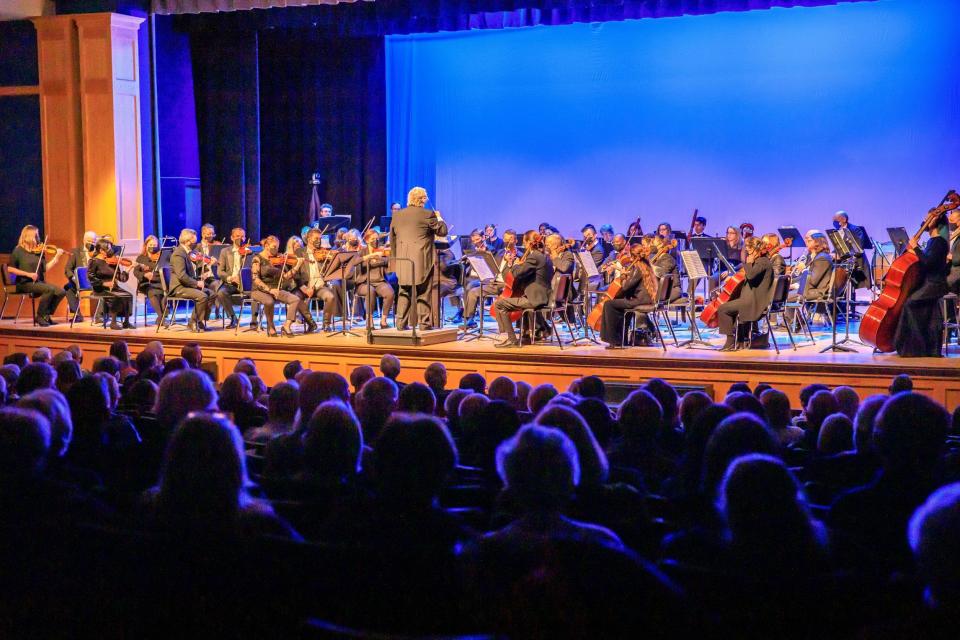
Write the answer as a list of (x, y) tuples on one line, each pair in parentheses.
[(62, 161), (110, 117)]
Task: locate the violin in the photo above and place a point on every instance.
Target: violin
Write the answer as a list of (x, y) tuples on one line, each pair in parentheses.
[(772, 251), (283, 259), (323, 254), (247, 249), (123, 262), (668, 247), (48, 249), (381, 252), (196, 256)]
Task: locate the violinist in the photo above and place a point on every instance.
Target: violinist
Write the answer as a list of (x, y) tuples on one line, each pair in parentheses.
[(371, 273), (472, 296), (492, 242), (269, 273), (105, 270), (231, 262), (755, 295), (771, 242), (665, 265), (186, 282), (592, 243), (920, 331), (536, 272), (78, 257), (746, 231), (953, 279), (147, 274), (819, 267), (208, 239), (29, 264), (638, 287), (665, 231), (316, 260), (294, 247)]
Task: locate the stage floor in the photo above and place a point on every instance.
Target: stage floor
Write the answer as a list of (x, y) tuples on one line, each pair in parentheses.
[(789, 370)]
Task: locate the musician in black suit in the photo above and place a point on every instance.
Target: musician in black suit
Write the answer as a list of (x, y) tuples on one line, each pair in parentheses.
[(230, 263), (920, 330), (185, 282), (312, 281), (77, 257), (472, 296), (145, 272), (754, 296), (819, 267), (103, 278), (536, 272), (413, 231), (639, 287), (953, 278), (860, 275)]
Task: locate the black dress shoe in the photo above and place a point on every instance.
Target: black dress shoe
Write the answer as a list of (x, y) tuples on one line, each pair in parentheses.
[(51, 322), (116, 326), (507, 343), (311, 327), (233, 323), (43, 322), (286, 331), (612, 347), (126, 324)]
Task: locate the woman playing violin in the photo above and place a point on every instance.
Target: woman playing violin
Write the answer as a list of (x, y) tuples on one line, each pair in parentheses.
[(148, 275), (755, 295), (29, 262), (919, 333), (270, 273), (638, 287), (370, 272), (105, 270)]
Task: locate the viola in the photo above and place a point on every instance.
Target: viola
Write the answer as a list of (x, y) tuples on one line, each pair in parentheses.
[(48, 249), (879, 324), (323, 254), (123, 262), (379, 252)]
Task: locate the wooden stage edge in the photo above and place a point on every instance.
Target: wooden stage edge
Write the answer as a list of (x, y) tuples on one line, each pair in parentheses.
[(790, 371)]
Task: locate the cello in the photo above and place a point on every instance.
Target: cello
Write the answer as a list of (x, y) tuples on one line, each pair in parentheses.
[(879, 324), (731, 289), (614, 290), (511, 288)]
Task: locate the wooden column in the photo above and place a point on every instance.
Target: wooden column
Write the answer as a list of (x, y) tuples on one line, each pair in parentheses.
[(110, 117), (62, 161)]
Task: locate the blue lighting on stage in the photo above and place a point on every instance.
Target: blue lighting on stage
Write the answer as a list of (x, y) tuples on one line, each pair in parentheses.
[(779, 116)]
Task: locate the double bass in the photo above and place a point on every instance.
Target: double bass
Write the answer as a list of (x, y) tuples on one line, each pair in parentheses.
[(879, 324)]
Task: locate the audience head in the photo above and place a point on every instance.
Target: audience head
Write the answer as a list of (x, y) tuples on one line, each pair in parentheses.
[(503, 388), (807, 392), (540, 468), (739, 387), (333, 442), (435, 375), (291, 369), (593, 461), (182, 392), (738, 435), (539, 396), (473, 382), (121, 351), (598, 418), (24, 443), (760, 388), (496, 421), (592, 387), (523, 394), (933, 537), (360, 375), (820, 405), (174, 364), (319, 386), (376, 401), (108, 365), (451, 407), (742, 401), (142, 395), (18, 358), (247, 366), (836, 435), (390, 366), (64, 355), (909, 434), (667, 396), (113, 388), (145, 361), (848, 399), (417, 397), (691, 404), (284, 403), (640, 416), (470, 415), (68, 372), (414, 457), (53, 406), (236, 393), (10, 372), (776, 408), (42, 354), (156, 348), (901, 382), (36, 375), (193, 354)]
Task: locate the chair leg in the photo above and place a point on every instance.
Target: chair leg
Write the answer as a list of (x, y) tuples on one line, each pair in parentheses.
[(673, 334), (556, 334), (656, 330), (4, 306), (33, 309), (16, 318)]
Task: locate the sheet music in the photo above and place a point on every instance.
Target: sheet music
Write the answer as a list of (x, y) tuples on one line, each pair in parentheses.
[(693, 264), (586, 259), (480, 267)]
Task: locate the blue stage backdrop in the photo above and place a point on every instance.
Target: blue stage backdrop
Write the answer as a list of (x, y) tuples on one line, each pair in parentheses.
[(778, 117)]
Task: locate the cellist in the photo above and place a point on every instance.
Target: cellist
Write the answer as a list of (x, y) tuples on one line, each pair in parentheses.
[(754, 297), (638, 287), (920, 331)]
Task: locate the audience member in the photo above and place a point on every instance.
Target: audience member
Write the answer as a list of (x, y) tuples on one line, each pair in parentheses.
[(108, 365), (741, 401), (281, 413), (36, 375), (435, 375), (592, 387), (237, 399), (68, 373), (848, 399), (900, 383), (247, 366), (390, 368), (503, 388), (18, 358), (597, 416), (932, 536), (417, 397), (377, 401), (776, 408), (836, 435), (42, 354), (360, 376), (174, 364), (193, 354), (523, 394), (291, 369), (638, 448), (473, 382), (451, 407), (540, 396), (180, 393)]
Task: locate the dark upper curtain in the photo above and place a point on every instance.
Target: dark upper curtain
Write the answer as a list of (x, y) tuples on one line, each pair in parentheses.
[(322, 109), (226, 93)]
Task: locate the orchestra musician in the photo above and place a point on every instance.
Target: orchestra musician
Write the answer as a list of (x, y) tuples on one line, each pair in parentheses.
[(103, 278), (861, 272), (394, 207), (231, 262), (413, 232), (147, 274), (606, 233), (311, 278), (665, 231), (755, 295), (611, 265), (819, 267), (78, 257), (639, 287), (919, 333), (270, 273), (733, 249), (370, 272), (493, 243), (953, 279), (326, 210), (746, 231), (665, 265), (770, 242), (187, 283), (208, 239), (29, 265), (535, 271), (699, 228), (472, 296)]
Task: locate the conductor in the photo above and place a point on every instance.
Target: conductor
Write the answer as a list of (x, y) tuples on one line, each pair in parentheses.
[(412, 234)]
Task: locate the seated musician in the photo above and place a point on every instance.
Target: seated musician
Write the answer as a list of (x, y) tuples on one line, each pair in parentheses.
[(607, 234), (564, 263), (312, 282), (370, 272), (754, 296), (231, 262), (819, 267), (492, 242), (699, 228), (861, 270), (270, 273), (147, 274), (77, 257), (472, 295), (598, 250), (638, 287), (770, 242), (534, 273), (665, 231), (733, 249), (953, 278), (610, 267), (920, 330), (104, 277), (208, 240), (29, 265), (186, 282), (665, 265)]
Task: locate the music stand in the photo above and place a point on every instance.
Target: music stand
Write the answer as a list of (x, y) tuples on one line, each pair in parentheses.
[(847, 256), (465, 245), (485, 275), (385, 222), (695, 272), (588, 266), (900, 239), (435, 313), (795, 237), (341, 261)]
